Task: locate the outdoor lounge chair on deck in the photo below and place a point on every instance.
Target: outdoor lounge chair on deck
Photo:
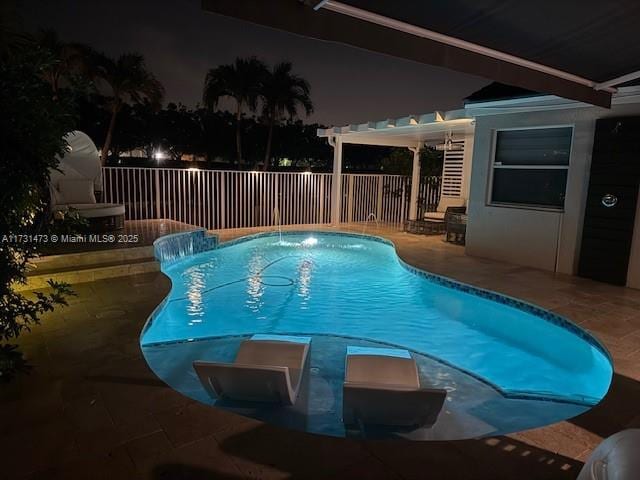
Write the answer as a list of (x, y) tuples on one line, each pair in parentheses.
[(77, 180), (433, 223), (382, 388), (267, 368), (446, 205)]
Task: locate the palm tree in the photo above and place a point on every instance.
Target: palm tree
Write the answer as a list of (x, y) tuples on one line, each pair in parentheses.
[(242, 81), (129, 81), (66, 58), (282, 92)]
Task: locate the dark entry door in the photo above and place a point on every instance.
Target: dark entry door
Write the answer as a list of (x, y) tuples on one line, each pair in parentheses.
[(611, 202)]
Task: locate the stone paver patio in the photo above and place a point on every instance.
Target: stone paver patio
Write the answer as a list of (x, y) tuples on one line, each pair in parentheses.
[(92, 409)]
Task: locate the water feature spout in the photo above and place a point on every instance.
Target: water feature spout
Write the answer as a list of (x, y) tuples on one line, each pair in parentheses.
[(277, 221), (366, 222)]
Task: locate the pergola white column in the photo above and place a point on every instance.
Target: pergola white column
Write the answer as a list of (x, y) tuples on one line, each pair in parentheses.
[(336, 182), (415, 183)]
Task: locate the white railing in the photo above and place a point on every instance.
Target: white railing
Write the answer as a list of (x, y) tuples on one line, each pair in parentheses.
[(216, 199)]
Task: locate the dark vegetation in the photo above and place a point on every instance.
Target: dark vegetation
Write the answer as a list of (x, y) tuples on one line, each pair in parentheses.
[(49, 87)]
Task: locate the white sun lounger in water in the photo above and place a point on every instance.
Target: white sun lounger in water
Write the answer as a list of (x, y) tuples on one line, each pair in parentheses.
[(267, 368), (382, 388)]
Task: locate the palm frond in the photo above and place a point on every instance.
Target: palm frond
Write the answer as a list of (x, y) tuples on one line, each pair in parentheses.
[(128, 78), (241, 80), (284, 92)]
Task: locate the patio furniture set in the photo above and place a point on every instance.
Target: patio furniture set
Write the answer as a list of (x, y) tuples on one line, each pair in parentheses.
[(449, 218)]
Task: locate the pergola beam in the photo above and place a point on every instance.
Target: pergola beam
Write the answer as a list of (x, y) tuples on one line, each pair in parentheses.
[(618, 80), (320, 4), (402, 132), (380, 142)]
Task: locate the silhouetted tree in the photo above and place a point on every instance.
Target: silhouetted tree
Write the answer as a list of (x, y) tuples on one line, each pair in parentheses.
[(282, 93), (128, 80), (32, 129), (242, 81), (66, 60)]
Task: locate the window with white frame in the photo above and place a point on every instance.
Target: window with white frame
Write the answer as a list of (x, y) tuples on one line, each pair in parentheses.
[(530, 167)]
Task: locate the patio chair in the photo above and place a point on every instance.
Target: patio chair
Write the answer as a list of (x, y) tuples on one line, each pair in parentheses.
[(616, 458), (446, 205), (382, 388), (456, 227), (267, 368), (77, 180)]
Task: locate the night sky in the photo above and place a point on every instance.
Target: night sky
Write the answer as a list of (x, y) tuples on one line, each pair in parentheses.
[(180, 42)]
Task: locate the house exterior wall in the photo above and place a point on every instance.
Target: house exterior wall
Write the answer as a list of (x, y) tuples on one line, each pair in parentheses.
[(532, 236), (468, 159)]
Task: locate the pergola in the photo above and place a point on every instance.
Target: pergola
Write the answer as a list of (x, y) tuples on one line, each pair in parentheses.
[(412, 132)]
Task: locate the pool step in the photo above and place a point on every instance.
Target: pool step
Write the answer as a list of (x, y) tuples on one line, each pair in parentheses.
[(90, 266), (80, 259)]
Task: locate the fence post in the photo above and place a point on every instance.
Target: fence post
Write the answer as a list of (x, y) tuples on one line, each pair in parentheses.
[(379, 199), (223, 197), (157, 192), (278, 198), (321, 213), (350, 200), (404, 202)]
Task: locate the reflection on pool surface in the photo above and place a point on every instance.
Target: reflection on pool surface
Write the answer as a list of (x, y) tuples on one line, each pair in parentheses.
[(355, 289)]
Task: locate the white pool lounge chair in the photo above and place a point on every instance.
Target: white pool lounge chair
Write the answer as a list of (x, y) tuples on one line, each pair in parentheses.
[(382, 388), (267, 368), (77, 180), (616, 458)]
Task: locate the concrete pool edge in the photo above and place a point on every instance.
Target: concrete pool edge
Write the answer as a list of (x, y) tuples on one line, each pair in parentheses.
[(194, 242)]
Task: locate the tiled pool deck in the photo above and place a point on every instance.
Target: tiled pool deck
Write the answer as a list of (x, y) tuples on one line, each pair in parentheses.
[(92, 409)]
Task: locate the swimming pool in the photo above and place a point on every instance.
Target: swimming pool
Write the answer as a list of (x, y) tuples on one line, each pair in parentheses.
[(355, 287)]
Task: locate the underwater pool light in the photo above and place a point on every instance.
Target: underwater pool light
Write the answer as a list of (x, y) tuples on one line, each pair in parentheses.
[(310, 242)]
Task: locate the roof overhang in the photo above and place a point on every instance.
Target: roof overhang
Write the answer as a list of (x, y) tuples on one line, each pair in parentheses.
[(540, 103), (333, 21)]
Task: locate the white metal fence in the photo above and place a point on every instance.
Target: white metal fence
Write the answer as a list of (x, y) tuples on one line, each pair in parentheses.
[(216, 199)]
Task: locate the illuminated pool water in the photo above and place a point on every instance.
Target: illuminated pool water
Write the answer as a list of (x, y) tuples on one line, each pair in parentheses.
[(355, 287)]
